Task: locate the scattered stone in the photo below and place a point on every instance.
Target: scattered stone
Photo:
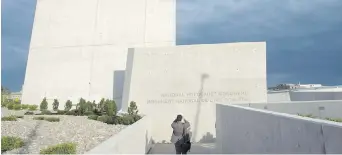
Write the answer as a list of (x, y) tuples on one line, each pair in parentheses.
[(39, 134)]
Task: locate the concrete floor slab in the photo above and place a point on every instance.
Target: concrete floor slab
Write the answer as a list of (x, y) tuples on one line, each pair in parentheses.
[(198, 148)]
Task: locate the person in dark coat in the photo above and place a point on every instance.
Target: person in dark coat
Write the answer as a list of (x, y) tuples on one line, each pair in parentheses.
[(180, 128)]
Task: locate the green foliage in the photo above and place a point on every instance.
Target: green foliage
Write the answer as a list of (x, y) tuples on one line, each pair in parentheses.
[(38, 118), (68, 105), (33, 107), (110, 107), (10, 106), (29, 113), (93, 117), (19, 116), (25, 106), (307, 115), (101, 105), (72, 112), (9, 143), (44, 104), (9, 118), (82, 107), (88, 113), (45, 112), (52, 119), (334, 119), (55, 104), (64, 148), (89, 106), (17, 107), (61, 112), (104, 118), (133, 108)]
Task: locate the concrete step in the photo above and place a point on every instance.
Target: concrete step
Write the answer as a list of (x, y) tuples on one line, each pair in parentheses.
[(196, 148)]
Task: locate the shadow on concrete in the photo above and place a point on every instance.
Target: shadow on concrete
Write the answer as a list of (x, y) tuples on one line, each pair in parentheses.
[(196, 148), (208, 138), (118, 84), (203, 77), (148, 143)]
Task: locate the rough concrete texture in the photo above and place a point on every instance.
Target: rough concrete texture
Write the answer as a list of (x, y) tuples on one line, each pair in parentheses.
[(320, 109), (246, 130)]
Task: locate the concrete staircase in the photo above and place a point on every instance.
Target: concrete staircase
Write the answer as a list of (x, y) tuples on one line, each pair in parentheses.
[(196, 148)]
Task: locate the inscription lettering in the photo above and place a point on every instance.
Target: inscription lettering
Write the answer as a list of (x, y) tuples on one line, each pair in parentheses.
[(195, 97)]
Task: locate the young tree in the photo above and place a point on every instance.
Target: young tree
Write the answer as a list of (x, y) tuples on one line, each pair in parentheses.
[(101, 105), (55, 104), (133, 108), (68, 105), (110, 107), (44, 104), (82, 107)]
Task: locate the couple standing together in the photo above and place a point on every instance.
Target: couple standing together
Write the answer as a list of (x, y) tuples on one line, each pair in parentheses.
[(181, 135)]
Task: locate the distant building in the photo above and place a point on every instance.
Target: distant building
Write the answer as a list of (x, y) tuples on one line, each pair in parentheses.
[(16, 96)]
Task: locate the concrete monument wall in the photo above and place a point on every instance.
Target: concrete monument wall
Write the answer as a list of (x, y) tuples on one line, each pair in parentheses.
[(189, 80), (79, 47), (243, 130), (322, 109)]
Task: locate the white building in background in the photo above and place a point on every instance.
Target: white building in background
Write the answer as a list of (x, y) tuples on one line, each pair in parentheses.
[(79, 47)]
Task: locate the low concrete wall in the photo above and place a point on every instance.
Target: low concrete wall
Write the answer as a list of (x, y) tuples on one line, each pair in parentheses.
[(135, 139), (315, 95), (322, 109), (245, 130)]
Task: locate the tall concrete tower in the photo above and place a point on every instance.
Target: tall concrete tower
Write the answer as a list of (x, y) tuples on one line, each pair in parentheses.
[(79, 47)]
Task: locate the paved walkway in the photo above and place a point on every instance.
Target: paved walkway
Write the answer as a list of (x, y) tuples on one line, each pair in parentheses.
[(199, 148)]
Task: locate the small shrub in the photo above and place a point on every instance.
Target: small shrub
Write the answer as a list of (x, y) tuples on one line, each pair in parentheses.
[(104, 118), (17, 107), (9, 143), (29, 113), (308, 115), (68, 105), (33, 107), (10, 106), (93, 117), (72, 112), (334, 119), (110, 107), (55, 104), (133, 108), (61, 112), (38, 118), (136, 118), (64, 148), (45, 112), (52, 119), (9, 118), (44, 104), (24, 106), (19, 116), (127, 120), (89, 113)]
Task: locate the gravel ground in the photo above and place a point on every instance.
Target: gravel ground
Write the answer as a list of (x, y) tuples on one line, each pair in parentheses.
[(38, 134)]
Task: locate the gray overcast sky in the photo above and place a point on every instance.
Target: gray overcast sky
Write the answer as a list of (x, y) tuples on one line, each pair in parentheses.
[(304, 37)]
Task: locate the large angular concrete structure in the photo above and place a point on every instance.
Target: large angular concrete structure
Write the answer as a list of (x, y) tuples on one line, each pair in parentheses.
[(79, 47), (191, 79)]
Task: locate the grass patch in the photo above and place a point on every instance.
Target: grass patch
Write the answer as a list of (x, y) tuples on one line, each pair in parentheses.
[(64, 148), (9, 118), (52, 119), (9, 143), (334, 119), (307, 115), (29, 113)]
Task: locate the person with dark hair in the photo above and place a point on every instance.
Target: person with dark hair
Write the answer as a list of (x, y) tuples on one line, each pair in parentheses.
[(180, 135)]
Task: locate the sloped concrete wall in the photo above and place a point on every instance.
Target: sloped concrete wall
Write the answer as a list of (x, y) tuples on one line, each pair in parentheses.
[(322, 109), (135, 139), (245, 130), (315, 95)]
